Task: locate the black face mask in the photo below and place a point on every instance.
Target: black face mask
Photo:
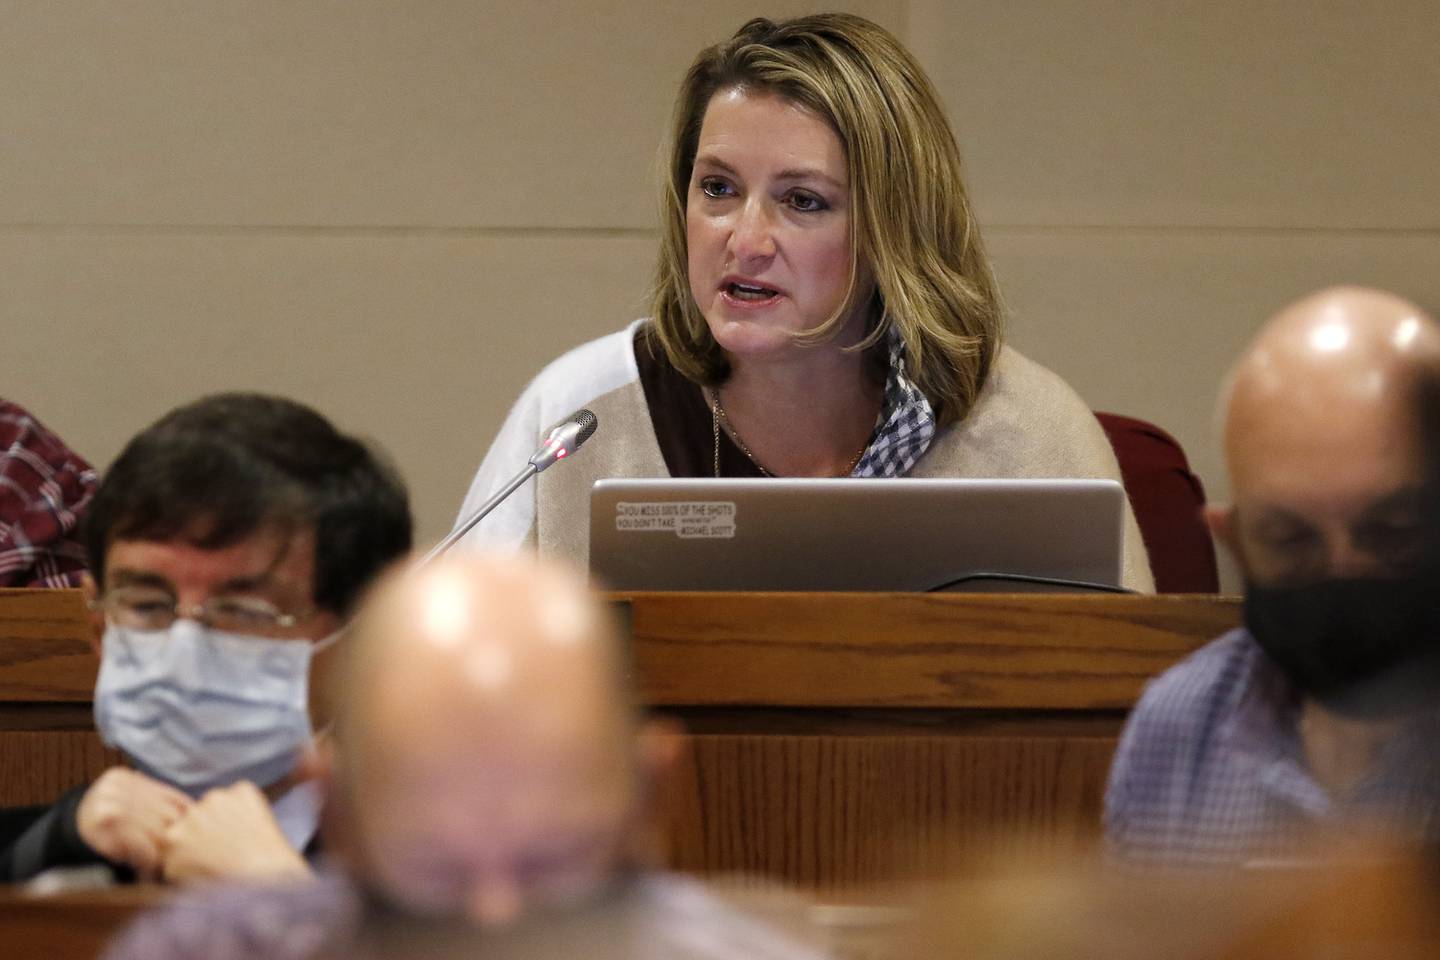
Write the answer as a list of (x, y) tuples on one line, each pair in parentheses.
[(1367, 648)]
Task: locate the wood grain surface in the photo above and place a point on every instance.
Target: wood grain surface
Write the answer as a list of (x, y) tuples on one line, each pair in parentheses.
[(827, 812), (913, 650), (44, 652)]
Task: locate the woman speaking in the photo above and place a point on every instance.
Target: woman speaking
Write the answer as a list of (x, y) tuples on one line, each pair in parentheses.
[(822, 307)]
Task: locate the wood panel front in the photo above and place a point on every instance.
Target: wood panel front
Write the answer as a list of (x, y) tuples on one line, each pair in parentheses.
[(844, 739), (833, 810), (36, 766)]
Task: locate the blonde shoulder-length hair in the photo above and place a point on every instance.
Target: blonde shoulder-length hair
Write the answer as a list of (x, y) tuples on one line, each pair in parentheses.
[(912, 226)]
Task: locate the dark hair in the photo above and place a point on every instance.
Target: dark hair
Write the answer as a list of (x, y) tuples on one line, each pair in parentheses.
[(215, 471)]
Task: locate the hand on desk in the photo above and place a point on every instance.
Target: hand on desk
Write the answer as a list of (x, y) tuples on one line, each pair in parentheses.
[(124, 817), (229, 832)]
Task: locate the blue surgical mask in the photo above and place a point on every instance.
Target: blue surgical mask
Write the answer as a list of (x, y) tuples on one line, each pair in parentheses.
[(199, 708)]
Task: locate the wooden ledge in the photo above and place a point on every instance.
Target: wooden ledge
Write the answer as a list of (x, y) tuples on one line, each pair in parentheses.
[(828, 650), (966, 651)]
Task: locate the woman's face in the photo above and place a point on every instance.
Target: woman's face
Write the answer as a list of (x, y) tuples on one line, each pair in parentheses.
[(767, 221)]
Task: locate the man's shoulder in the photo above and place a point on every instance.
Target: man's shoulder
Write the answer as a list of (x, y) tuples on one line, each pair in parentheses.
[(232, 921), (1204, 687), (1169, 741), (1172, 735)]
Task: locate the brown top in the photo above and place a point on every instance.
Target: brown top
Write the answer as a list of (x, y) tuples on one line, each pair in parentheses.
[(684, 425)]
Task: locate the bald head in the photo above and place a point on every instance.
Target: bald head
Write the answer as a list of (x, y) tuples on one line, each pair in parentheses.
[(1322, 439), (484, 644), (487, 753)]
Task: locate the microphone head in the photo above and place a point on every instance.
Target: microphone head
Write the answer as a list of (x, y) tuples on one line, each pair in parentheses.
[(565, 438), (588, 424)]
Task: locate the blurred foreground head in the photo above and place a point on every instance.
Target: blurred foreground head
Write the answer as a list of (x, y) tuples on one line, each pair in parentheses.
[(488, 759), (1328, 472)]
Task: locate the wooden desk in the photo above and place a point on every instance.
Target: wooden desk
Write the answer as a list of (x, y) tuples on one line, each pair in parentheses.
[(836, 739), (71, 926), (842, 739), (47, 675)]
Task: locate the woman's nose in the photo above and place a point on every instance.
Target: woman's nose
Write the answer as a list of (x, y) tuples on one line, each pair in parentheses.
[(753, 236)]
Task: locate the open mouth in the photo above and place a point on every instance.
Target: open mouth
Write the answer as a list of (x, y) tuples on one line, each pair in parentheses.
[(752, 293)]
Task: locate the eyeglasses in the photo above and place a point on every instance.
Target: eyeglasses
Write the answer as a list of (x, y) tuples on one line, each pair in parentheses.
[(145, 608)]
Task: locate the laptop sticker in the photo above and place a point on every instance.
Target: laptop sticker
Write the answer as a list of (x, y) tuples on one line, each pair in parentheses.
[(687, 519)]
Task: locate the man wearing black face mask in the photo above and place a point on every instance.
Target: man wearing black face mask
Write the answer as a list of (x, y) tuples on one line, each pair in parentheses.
[(1322, 710)]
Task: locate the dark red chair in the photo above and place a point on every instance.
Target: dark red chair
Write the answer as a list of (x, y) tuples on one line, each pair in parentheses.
[(1167, 499)]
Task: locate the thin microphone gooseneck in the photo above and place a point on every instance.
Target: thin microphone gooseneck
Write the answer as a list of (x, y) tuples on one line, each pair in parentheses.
[(562, 440)]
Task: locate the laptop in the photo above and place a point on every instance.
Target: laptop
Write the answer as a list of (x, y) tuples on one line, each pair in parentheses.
[(848, 534)]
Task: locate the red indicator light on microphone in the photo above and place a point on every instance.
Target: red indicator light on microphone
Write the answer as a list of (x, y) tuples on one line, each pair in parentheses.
[(561, 454)]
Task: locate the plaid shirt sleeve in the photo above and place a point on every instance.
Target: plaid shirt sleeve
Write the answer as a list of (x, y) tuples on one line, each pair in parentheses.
[(44, 489)]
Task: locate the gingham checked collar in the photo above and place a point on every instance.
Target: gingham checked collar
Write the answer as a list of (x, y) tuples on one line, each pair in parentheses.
[(906, 423)]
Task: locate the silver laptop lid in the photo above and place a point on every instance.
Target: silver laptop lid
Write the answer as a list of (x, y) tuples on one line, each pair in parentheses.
[(905, 534)]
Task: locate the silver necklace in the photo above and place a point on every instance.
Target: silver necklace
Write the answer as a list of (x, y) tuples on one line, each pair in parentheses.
[(717, 413)]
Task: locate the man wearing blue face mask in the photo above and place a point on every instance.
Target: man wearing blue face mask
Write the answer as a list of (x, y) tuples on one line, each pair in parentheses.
[(494, 793), (228, 543), (1321, 714)]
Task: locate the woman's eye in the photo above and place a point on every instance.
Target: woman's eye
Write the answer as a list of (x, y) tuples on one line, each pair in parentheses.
[(713, 187), (806, 202)]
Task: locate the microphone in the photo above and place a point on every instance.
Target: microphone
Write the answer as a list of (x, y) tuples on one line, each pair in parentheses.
[(563, 439)]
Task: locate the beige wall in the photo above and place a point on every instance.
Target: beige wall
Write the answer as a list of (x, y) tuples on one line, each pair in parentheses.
[(398, 212)]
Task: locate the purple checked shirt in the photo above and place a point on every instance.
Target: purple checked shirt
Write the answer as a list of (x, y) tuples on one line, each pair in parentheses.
[(1210, 770)]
